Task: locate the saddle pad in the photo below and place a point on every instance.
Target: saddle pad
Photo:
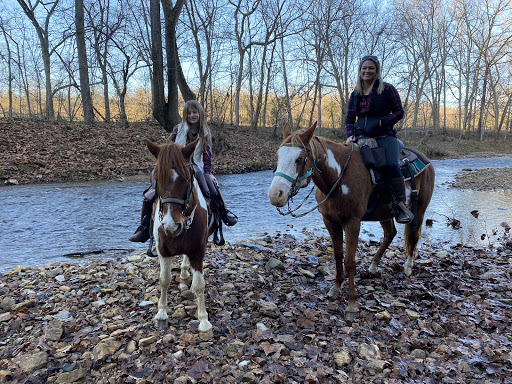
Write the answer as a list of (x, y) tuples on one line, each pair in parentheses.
[(416, 161)]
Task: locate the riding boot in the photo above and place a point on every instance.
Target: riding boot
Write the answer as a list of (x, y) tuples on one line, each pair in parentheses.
[(403, 214), (228, 217), (141, 235)]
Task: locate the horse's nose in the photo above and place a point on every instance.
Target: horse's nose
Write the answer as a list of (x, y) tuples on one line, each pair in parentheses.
[(277, 197), (176, 230)]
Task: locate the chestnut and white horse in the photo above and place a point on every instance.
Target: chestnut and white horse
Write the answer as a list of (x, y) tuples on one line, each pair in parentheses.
[(180, 215), (343, 190)]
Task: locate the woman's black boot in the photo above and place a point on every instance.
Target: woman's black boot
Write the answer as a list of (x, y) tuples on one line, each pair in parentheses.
[(403, 214), (141, 235)]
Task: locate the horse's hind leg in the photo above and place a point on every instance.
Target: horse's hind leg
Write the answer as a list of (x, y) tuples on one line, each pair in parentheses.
[(184, 274), (198, 285), (411, 241), (165, 280), (389, 234)]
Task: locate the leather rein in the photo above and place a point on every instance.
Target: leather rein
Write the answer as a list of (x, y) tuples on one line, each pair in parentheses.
[(294, 189)]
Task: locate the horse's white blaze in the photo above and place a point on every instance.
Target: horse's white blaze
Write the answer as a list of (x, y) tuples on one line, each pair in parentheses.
[(167, 222), (344, 189), (197, 287), (279, 188), (333, 163)]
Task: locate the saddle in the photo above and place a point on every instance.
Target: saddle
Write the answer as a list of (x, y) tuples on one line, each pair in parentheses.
[(411, 162)]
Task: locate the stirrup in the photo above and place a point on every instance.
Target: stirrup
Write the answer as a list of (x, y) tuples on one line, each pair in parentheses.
[(229, 218), (150, 247), (403, 215)]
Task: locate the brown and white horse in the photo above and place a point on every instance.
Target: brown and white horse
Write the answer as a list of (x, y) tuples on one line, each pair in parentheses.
[(180, 215), (343, 190)]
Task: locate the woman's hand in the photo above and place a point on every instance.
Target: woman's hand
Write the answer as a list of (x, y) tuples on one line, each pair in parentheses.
[(350, 139)]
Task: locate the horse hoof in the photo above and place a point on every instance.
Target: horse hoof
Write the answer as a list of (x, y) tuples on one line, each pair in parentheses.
[(162, 325), (333, 293), (351, 316)]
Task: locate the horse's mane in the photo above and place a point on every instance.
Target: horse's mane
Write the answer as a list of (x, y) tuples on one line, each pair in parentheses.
[(169, 158), (295, 140)]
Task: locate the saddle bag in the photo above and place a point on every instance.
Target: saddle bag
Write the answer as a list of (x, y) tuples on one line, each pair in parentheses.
[(373, 157)]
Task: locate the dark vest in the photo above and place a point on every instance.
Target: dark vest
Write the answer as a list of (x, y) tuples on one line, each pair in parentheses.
[(379, 104)]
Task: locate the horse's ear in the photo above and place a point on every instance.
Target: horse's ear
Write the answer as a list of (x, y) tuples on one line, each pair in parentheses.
[(287, 130), (188, 150), (308, 133), (153, 148)]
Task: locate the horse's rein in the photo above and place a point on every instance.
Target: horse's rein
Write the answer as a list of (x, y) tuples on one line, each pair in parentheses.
[(291, 211)]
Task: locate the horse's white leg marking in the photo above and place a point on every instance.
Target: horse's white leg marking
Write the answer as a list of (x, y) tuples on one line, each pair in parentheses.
[(373, 267), (409, 263), (185, 274), (198, 285), (165, 281)]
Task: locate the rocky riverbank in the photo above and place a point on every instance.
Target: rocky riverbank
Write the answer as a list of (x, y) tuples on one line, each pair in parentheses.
[(92, 322)]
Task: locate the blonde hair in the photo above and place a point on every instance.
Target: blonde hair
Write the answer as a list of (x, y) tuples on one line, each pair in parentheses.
[(378, 75), (203, 132)]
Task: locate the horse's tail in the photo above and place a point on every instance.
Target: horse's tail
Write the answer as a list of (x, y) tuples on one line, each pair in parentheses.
[(422, 187)]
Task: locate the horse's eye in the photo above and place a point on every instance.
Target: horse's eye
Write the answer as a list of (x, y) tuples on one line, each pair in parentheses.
[(299, 160)]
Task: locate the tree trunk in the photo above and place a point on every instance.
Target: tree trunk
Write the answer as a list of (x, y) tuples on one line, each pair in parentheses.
[(83, 68)]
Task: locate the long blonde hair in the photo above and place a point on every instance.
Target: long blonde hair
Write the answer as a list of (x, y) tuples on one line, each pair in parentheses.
[(203, 131), (378, 75)]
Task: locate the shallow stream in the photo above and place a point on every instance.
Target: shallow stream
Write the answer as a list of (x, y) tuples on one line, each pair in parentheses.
[(44, 223)]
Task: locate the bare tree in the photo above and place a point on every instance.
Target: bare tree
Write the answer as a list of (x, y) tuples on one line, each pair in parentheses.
[(8, 58), (83, 66), (165, 112), (44, 41)]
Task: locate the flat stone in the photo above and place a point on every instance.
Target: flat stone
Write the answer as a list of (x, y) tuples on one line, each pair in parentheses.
[(53, 331), (71, 377), (274, 264), (32, 361), (105, 349)]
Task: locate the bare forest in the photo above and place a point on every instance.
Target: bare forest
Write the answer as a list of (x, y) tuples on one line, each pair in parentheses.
[(256, 63)]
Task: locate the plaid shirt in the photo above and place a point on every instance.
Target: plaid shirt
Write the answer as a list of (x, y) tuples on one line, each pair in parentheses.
[(207, 154), (397, 111)]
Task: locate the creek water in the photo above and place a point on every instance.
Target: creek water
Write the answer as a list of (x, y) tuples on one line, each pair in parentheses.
[(44, 223)]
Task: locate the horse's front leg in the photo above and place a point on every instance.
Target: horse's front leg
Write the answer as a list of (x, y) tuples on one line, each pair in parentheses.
[(352, 239), (336, 233), (184, 274), (198, 285), (165, 280), (389, 229)]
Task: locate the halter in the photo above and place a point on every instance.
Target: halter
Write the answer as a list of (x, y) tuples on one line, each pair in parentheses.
[(291, 211), (294, 189), (183, 202)]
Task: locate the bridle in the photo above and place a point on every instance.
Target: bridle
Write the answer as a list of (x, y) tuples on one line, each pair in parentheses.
[(294, 189), (183, 202)]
